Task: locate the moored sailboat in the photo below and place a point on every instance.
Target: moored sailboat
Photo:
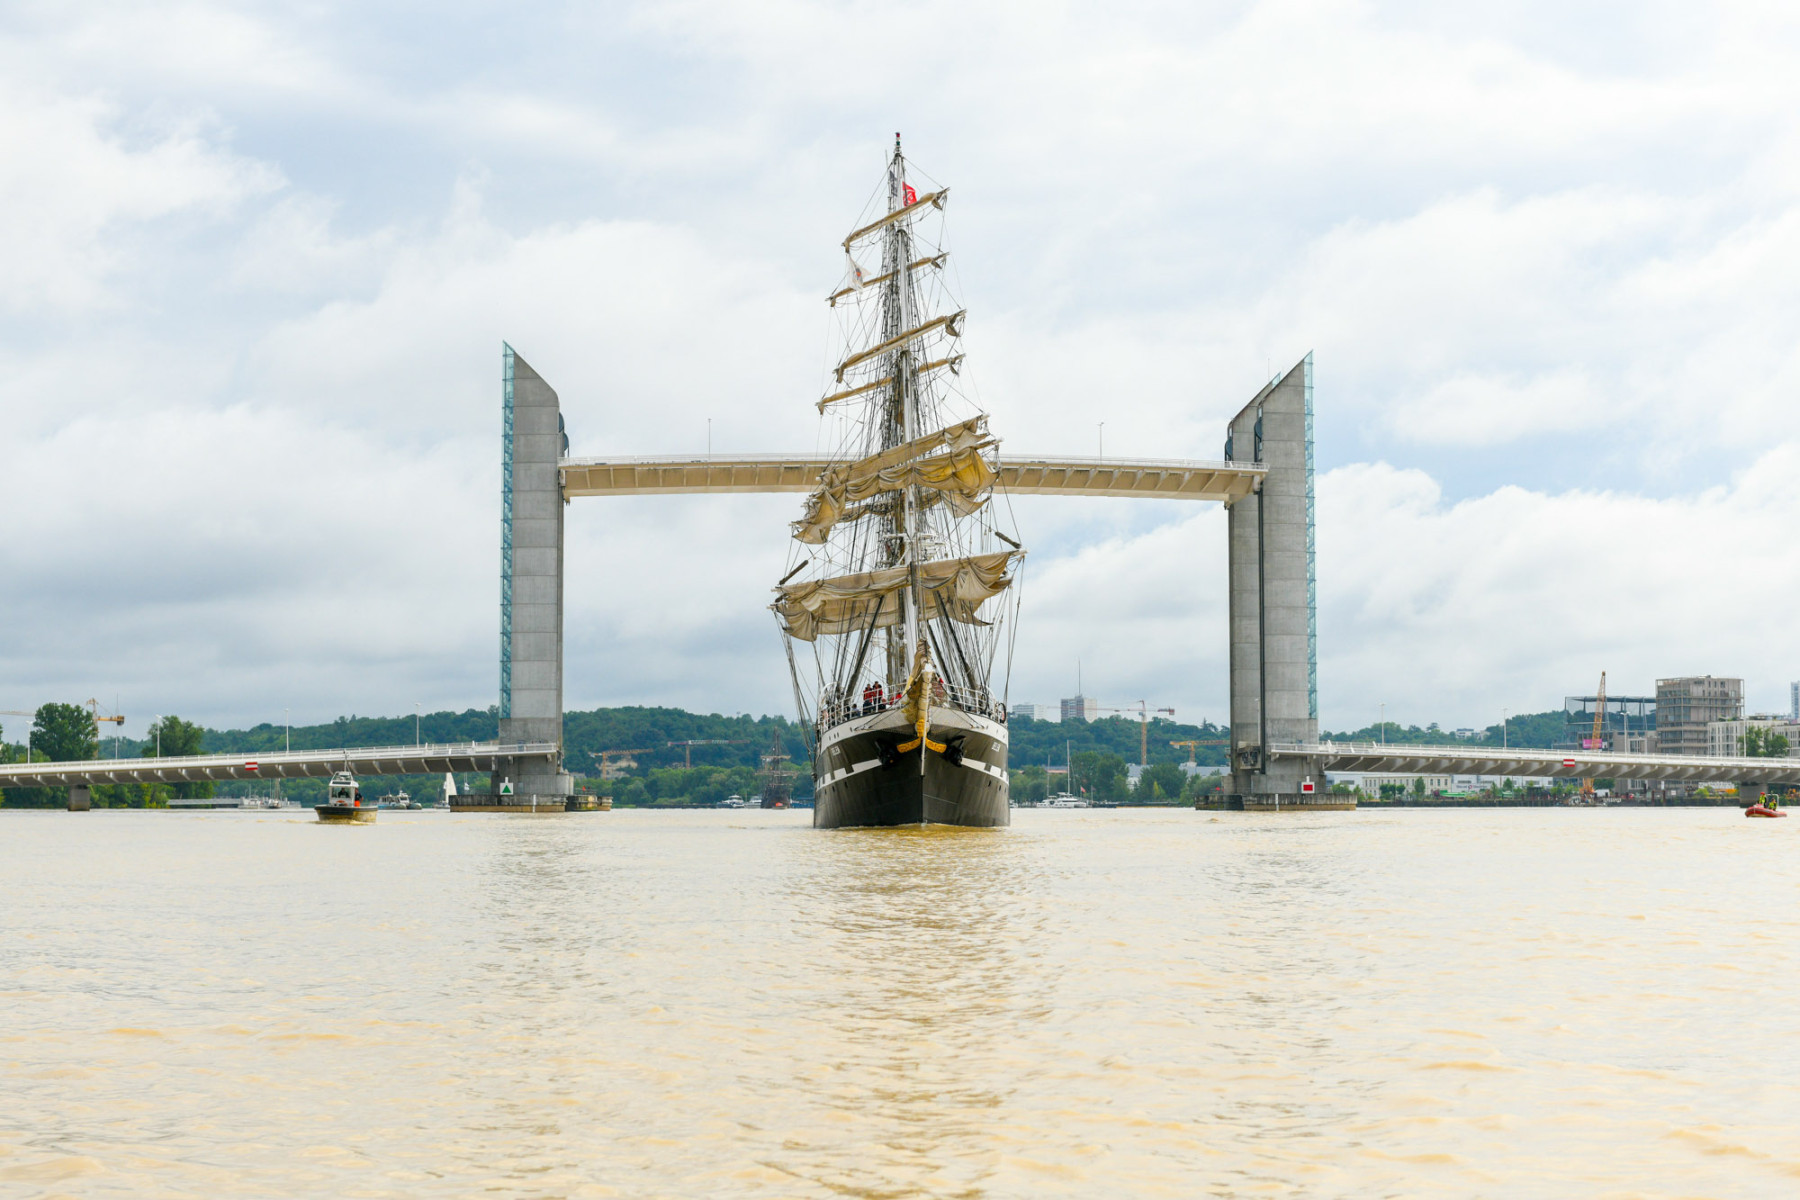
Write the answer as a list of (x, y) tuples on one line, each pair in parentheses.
[(901, 582)]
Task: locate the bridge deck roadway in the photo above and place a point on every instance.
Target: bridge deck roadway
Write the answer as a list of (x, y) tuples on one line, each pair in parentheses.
[(1572, 764), (381, 760), (1144, 479)]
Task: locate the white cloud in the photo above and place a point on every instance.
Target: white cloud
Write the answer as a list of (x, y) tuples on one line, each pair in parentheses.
[(74, 188), (259, 273), (1469, 410), (1452, 611)]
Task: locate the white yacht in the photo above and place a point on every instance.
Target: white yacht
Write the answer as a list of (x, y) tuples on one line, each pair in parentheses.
[(1064, 800)]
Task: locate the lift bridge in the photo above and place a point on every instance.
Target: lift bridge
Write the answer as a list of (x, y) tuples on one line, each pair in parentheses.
[(1264, 479)]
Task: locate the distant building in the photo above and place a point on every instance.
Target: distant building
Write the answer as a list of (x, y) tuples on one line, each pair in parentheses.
[(1687, 705), (1631, 716), (1794, 701), (1372, 784), (1033, 712), (1080, 708), (1724, 739)]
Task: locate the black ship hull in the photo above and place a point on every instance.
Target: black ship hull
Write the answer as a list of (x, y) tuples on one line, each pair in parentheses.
[(863, 779)]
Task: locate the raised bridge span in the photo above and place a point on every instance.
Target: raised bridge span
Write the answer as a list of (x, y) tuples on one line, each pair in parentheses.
[(1020, 475), (1264, 478)]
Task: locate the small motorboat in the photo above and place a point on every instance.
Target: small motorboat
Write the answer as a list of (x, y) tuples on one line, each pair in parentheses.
[(344, 803), (1763, 810)]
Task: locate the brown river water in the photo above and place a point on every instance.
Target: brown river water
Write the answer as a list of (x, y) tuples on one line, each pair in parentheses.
[(1507, 1003)]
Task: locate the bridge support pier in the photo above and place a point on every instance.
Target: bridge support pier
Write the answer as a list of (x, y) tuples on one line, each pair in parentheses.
[(1273, 604), (1751, 793), (531, 597), (81, 799)]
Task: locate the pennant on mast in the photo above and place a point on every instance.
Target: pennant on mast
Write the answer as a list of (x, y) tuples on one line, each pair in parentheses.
[(932, 199)]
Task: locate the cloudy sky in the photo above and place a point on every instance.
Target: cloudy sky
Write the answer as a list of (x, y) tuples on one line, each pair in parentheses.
[(259, 261)]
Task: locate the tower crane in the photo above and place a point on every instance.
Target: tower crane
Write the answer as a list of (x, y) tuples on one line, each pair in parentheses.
[(117, 719), (94, 715), (607, 769), (1143, 711), (1195, 743), (687, 747), (1594, 743)]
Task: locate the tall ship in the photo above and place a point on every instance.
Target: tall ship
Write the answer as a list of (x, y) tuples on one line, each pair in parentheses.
[(898, 600)]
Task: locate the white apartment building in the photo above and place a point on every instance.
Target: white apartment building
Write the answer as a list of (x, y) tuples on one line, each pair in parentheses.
[(1372, 784), (1724, 739), (1034, 712)]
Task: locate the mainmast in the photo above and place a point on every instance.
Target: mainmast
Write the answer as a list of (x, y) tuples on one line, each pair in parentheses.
[(903, 414)]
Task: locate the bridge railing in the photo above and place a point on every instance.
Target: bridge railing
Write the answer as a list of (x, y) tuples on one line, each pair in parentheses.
[(1408, 757), (1482, 750)]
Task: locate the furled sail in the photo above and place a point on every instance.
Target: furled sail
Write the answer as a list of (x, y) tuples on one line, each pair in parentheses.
[(953, 587), (923, 369), (948, 463), (857, 282), (951, 323)]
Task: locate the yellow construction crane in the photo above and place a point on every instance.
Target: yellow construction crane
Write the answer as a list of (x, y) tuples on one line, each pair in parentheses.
[(1195, 743), (1595, 742), (607, 769), (94, 715), (94, 712), (117, 719), (1144, 710)]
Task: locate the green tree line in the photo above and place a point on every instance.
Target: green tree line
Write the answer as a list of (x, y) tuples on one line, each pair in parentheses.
[(1100, 750), (1041, 743), (1528, 730), (66, 733)]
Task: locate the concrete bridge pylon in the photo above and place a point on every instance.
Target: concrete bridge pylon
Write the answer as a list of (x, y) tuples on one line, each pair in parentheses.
[(1273, 583), (531, 592)]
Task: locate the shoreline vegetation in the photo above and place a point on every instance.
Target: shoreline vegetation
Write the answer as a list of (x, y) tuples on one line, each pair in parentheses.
[(726, 754)]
